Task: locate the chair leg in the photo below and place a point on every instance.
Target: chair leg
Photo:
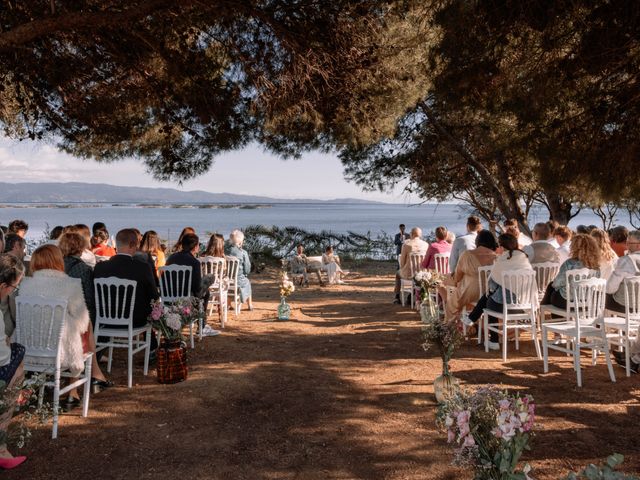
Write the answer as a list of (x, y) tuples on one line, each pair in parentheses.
[(534, 335), (191, 335), (545, 350), (607, 357), (87, 386), (505, 339), (626, 356), (130, 363), (56, 403), (110, 356), (147, 352), (576, 361), (485, 326)]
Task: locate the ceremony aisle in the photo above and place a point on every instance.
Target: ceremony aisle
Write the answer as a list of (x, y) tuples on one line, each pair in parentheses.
[(341, 391)]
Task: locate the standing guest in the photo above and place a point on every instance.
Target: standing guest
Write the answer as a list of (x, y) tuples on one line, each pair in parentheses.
[(55, 235), (185, 231), (400, 239), (88, 256), (189, 247), (124, 266), (235, 250), (465, 242), (19, 227), (608, 257), (511, 260), (72, 246), (627, 266), (439, 246), (618, 237), (584, 254), (331, 263), (512, 226), (414, 245), (11, 356), (563, 236), (49, 280), (15, 245), (151, 244), (99, 244), (465, 278), (541, 250)]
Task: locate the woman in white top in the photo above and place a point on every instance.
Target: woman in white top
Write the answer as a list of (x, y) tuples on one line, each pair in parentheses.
[(331, 263), (11, 355), (608, 257)]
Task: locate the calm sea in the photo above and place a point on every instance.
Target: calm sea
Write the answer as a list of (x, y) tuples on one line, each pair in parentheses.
[(338, 218)]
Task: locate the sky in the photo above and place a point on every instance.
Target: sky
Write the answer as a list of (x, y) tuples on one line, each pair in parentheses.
[(250, 171)]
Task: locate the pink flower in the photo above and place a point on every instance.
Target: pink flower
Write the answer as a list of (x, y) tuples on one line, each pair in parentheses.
[(157, 311), (504, 404), (463, 417), (451, 436), (186, 311), (469, 441)]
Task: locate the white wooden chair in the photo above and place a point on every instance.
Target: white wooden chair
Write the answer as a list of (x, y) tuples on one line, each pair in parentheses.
[(572, 276), (175, 284), (39, 325), (519, 293), (585, 329), (415, 261), (621, 331), (442, 263), (115, 300), (483, 282), (218, 289), (545, 274), (233, 264)]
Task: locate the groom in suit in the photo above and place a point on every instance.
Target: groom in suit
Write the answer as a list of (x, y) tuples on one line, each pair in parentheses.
[(123, 265)]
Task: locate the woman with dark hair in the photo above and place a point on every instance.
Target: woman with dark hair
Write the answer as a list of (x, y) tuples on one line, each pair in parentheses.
[(510, 260), (178, 245), (215, 247), (11, 356), (99, 245), (465, 278)]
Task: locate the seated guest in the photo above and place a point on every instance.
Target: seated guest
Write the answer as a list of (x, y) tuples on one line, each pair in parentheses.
[(72, 246), (584, 254), (414, 245), (99, 245), (124, 266), (511, 260), (49, 280), (150, 244), (11, 357), (552, 225), (465, 278), (19, 227), (178, 244), (300, 264), (331, 264), (215, 247), (626, 266), (618, 238), (189, 247), (464, 242), (98, 226), (439, 246), (15, 245), (541, 250), (608, 257), (55, 235), (563, 236), (451, 237), (87, 256), (511, 226), (244, 269)]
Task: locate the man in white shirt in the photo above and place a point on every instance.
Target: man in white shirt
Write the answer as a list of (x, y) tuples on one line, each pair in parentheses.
[(627, 266), (414, 245), (541, 251), (464, 242)]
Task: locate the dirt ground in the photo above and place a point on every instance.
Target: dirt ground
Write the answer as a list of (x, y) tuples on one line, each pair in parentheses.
[(342, 391)]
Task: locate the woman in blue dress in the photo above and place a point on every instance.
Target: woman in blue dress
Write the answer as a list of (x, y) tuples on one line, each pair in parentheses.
[(244, 268)]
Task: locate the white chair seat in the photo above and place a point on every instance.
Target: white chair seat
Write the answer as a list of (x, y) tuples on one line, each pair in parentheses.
[(553, 310), (620, 323), (116, 332), (570, 329)]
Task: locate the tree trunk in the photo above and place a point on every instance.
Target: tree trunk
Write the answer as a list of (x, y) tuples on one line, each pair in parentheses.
[(559, 209)]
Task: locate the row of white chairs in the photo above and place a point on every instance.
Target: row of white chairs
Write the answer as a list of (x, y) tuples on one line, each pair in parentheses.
[(415, 261), (40, 323)]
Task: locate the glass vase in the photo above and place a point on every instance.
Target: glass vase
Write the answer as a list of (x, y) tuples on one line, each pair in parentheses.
[(284, 309)]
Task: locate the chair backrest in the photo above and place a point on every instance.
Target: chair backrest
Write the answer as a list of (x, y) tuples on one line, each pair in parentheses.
[(39, 325), (415, 262), (483, 279), (576, 275), (115, 299), (519, 289), (546, 272), (632, 299), (175, 282), (233, 263), (589, 298), (442, 263), (212, 266)]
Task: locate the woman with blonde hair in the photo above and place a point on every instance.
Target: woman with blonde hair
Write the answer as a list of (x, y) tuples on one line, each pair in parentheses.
[(244, 268), (608, 257), (584, 253), (50, 281), (151, 244)]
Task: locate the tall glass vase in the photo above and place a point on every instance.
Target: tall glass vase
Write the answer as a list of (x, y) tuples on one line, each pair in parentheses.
[(284, 309)]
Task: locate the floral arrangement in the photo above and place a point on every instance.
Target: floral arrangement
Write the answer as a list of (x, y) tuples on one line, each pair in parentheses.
[(491, 429), (286, 286), (444, 335), (606, 471), (25, 397), (426, 280), (168, 320)]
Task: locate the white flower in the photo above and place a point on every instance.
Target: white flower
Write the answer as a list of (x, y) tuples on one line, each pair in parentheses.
[(173, 321)]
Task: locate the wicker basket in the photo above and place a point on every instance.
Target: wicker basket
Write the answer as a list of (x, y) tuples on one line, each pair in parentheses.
[(172, 362)]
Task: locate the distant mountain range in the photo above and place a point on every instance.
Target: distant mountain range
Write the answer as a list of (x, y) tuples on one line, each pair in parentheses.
[(77, 192)]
